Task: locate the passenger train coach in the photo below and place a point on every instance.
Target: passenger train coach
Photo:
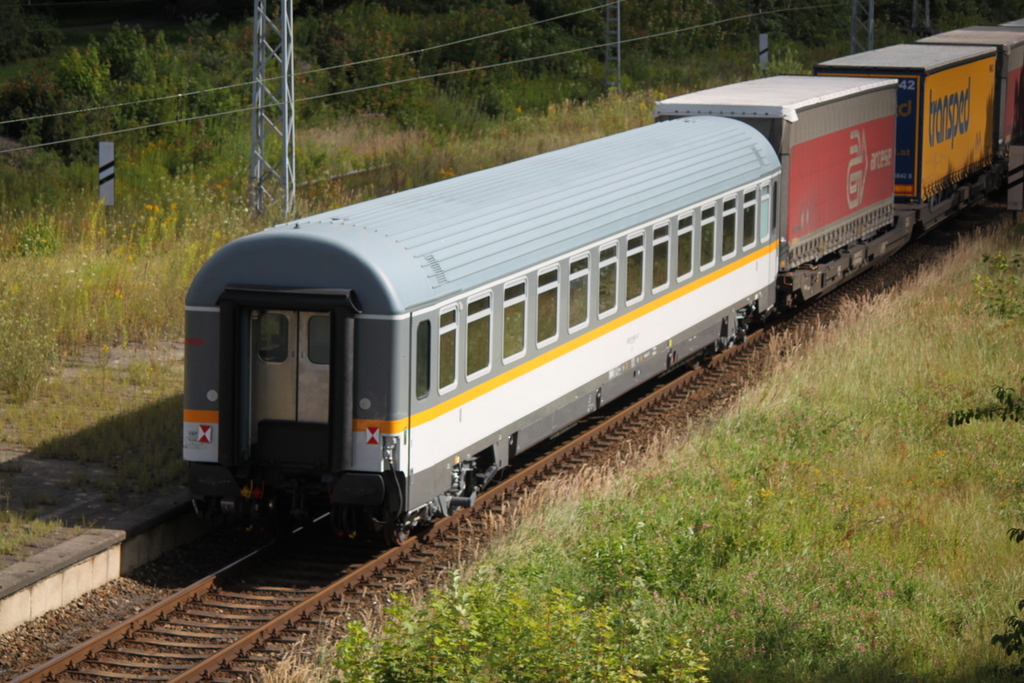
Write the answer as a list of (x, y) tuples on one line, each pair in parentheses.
[(384, 361)]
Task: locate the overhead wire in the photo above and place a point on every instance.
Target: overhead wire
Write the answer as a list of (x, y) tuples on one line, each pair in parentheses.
[(34, 5), (178, 96), (419, 77)]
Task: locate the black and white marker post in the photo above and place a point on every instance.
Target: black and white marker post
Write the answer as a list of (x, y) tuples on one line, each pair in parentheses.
[(107, 173)]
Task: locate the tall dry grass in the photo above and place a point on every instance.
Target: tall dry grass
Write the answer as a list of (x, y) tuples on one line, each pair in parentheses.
[(833, 526)]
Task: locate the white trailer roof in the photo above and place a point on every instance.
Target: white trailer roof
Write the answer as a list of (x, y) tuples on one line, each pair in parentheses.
[(1006, 36), (911, 56), (780, 97)]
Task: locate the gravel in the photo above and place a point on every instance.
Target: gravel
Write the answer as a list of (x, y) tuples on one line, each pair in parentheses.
[(36, 642)]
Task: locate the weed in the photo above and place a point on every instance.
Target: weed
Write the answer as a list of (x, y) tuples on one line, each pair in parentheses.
[(28, 349), (20, 530), (32, 498), (831, 528), (495, 632), (1002, 289), (1009, 406), (36, 237)]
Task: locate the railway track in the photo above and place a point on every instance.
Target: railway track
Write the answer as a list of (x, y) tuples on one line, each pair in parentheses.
[(229, 625)]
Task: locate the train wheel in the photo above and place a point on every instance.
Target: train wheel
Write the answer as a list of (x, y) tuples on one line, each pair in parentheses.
[(346, 521), (396, 529)]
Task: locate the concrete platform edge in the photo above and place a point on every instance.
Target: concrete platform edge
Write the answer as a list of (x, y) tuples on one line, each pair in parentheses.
[(59, 575)]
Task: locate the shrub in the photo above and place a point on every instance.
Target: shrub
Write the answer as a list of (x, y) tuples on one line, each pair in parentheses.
[(28, 349), (26, 34), (489, 631), (1002, 290), (82, 75)]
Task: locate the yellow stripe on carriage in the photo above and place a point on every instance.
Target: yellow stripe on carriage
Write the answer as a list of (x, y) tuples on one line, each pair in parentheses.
[(574, 343)]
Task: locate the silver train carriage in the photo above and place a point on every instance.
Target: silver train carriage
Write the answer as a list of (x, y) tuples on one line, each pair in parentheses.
[(384, 360)]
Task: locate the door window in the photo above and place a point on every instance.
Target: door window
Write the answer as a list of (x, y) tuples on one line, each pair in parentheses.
[(423, 359), (273, 338), (319, 350)]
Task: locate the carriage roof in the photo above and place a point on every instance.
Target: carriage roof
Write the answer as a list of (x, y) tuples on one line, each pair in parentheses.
[(408, 249)]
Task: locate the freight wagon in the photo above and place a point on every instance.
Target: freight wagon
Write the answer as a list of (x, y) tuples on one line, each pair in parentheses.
[(835, 138), (1009, 43), (945, 123)]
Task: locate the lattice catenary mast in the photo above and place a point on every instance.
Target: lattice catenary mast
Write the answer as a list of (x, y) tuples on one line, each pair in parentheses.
[(921, 17), (612, 45), (863, 21), (272, 161)]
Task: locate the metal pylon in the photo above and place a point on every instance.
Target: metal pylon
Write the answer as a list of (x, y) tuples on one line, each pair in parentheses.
[(862, 22), (921, 16), (613, 41), (272, 160)]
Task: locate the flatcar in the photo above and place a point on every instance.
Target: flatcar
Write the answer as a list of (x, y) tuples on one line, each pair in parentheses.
[(385, 360), (949, 143), (835, 138)]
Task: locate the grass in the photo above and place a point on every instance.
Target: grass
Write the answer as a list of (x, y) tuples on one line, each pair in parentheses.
[(832, 527), (18, 531), (71, 419), (115, 275), (77, 276)]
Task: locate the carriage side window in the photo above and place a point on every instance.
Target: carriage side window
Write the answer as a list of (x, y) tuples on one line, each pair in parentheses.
[(659, 258), (684, 247), (273, 338), (478, 336), (579, 290), (447, 349), (707, 237), (608, 266), (634, 268), (729, 228), (514, 321), (423, 359), (547, 305), (319, 343), (765, 212), (749, 217)]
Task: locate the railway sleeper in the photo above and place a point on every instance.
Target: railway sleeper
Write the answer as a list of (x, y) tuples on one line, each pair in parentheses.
[(133, 676), (177, 644), (163, 630), (288, 590), (265, 598), (143, 665), (240, 606), (278, 583), (161, 655), (206, 628), (251, 618)]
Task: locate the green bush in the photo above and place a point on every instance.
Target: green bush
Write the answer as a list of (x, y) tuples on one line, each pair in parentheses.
[(28, 349), (1002, 290), (82, 75), (26, 34), (36, 237), (490, 632)]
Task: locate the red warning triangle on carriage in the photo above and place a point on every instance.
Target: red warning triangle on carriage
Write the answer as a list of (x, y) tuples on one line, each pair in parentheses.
[(372, 435)]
